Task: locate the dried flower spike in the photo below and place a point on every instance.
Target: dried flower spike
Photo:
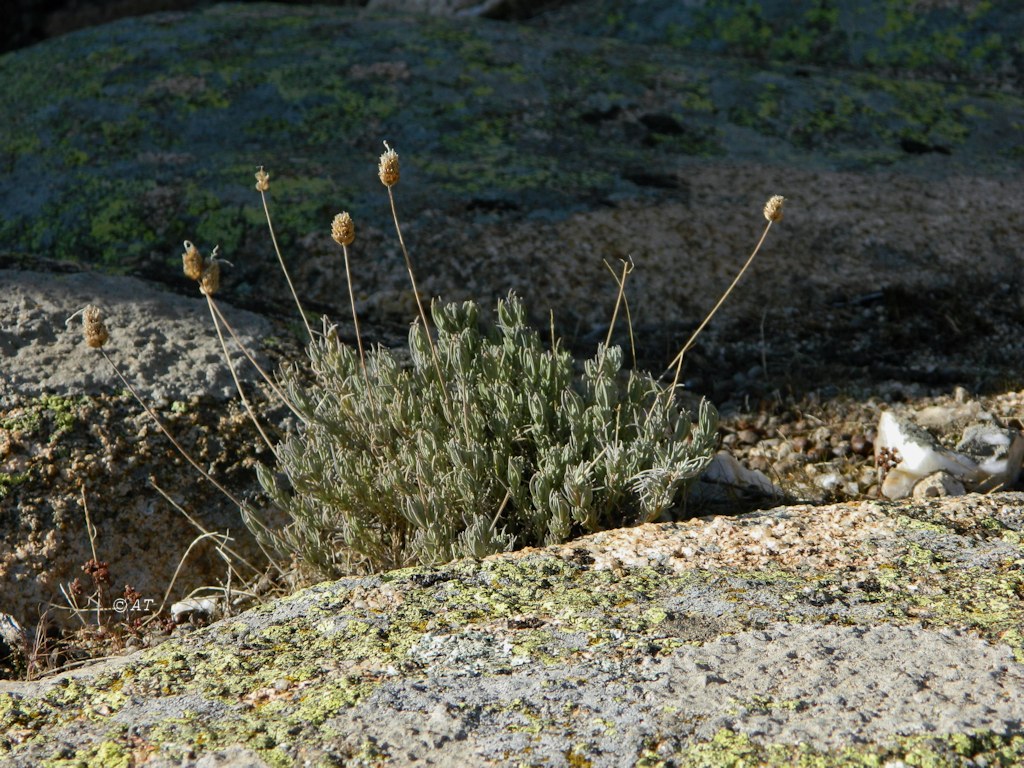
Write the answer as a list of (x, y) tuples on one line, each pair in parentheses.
[(343, 229), (773, 208), (211, 273), (210, 282), (192, 262), (95, 331), (262, 180), (388, 168)]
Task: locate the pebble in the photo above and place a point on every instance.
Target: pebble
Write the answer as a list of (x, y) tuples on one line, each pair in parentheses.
[(997, 451), (186, 610), (748, 436), (804, 448), (938, 485), (829, 481), (861, 446), (914, 454)]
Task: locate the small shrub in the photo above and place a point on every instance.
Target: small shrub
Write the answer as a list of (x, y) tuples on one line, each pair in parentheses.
[(487, 442)]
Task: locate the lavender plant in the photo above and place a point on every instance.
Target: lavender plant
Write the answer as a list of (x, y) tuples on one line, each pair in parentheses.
[(488, 442)]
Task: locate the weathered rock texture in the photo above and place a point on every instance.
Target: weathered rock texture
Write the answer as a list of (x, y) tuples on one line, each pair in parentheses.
[(67, 448), (532, 153), (839, 635)]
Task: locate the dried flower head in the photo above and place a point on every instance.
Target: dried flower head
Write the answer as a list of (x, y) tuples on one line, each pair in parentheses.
[(773, 208), (388, 168), (343, 229), (192, 261), (262, 180), (95, 331), (210, 282), (99, 570)]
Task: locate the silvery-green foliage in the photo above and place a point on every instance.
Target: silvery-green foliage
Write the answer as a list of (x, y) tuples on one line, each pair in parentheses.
[(497, 444)]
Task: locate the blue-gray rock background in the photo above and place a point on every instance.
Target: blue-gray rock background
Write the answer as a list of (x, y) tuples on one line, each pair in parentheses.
[(534, 150)]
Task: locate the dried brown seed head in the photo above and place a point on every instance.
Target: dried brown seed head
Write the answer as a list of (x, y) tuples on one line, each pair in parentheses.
[(343, 229), (262, 180), (95, 331), (388, 169), (192, 262), (773, 208), (99, 570), (210, 282)]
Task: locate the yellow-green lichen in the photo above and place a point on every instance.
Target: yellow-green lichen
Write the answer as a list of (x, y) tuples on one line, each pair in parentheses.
[(729, 749), (279, 675)]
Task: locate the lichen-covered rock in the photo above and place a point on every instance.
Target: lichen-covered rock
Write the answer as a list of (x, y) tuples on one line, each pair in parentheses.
[(839, 635), (533, 152)]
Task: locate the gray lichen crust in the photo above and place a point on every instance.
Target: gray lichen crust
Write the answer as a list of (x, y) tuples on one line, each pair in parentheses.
[(909, 650)]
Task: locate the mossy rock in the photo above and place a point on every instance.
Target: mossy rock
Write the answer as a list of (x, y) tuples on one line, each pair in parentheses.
[(121, 141), (899, 645)]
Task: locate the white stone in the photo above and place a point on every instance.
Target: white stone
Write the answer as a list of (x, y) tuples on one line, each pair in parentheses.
[(184, 610), (725, 470), (997, 451), (829, 481), (918, 455), (938, 485)]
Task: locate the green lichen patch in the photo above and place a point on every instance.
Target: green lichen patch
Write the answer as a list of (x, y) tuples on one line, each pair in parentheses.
[(11, 480), (43, 419), (144, 132), (936, 590), (963, 40), (288, 672), (56, 414), (730, 749)]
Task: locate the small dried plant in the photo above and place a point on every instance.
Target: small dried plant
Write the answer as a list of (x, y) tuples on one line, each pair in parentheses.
[(107, 620), (110, 628), (379, 477), (97, 335), (773, 214), (487, 442)]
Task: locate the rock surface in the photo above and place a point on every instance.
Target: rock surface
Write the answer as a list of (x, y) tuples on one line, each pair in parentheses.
[(69, 447), (864, 630), (830, 635), (533, 153), (987, 456), (164, 344)]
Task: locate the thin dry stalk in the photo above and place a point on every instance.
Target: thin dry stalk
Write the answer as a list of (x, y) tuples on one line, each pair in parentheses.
[(222, 546), (36, 665), (156, 420), (627, 268), (262, 185), (343, 231), (773, 213), (74, 607), (388, 172), (412, 277), (181, 562), (91, 530), (355, 324), (238, 383), (248, 356)]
